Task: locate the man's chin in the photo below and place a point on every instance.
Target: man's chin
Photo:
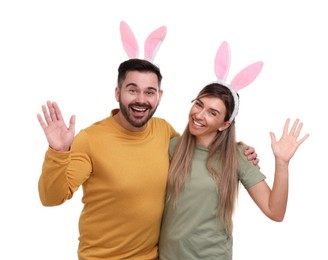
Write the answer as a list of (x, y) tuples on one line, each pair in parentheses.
[(139, 123), (140, 120)]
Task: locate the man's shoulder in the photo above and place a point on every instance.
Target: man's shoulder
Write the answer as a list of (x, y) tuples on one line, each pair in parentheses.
[(159, 121), (155, 118), (98, 125)]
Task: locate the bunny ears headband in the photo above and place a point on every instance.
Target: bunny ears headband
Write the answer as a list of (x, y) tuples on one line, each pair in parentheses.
[(221, 65), (241, 80), (152, 43)]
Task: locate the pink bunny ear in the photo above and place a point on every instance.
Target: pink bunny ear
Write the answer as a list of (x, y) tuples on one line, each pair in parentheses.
[(241, 80), (153, 42), (129, 41), (246, 76), (222, 61)]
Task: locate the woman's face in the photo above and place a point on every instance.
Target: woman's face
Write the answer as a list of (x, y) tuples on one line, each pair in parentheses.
[(206, 118)]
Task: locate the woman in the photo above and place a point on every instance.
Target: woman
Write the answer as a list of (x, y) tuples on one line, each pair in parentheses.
[(206, 167)]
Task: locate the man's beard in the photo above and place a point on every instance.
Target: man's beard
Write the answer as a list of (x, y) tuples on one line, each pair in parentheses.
[(129, 118)]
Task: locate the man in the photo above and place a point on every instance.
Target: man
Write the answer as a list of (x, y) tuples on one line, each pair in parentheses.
[(122, 164)]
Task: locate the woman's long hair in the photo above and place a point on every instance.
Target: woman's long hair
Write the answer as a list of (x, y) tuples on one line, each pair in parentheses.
[(221, 162)]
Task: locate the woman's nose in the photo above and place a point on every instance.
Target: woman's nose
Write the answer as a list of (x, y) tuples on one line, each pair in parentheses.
[(200, 114)]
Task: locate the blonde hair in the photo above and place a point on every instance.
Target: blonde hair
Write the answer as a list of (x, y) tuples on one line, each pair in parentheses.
[(221, 161)]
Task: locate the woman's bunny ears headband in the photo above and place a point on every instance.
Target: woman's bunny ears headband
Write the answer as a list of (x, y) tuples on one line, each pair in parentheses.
[(152, 43), (241, 80)]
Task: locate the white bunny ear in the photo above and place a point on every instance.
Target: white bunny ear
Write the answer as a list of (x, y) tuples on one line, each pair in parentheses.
[(129, 41), (222, 61), (153, 42), (246, 76)]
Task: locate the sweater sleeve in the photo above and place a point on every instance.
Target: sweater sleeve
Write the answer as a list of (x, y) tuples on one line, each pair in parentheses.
[(63, 172)]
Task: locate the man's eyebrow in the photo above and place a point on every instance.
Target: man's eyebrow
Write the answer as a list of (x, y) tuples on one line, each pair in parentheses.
[(131, 85), (152, 88), (135, 85)]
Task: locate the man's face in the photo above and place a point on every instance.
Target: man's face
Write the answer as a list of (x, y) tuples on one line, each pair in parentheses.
[(138, 98)]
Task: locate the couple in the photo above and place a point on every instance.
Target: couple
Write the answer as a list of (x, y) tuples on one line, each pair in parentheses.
[(122, 163)]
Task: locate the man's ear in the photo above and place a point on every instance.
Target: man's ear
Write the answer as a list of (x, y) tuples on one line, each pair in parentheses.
[(160, 95), (117, 94)]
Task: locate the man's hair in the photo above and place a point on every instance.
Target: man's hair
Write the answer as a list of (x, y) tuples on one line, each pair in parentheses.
[(137, 65)]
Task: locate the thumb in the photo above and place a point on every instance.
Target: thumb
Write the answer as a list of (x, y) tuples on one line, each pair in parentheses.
[(273, 137), (72, 123)]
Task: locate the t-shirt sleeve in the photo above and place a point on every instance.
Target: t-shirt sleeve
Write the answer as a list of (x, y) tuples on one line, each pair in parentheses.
[(173, 144), (248, 174)]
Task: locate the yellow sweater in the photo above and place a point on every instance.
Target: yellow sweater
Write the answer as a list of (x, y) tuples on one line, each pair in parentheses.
[(123, 175)]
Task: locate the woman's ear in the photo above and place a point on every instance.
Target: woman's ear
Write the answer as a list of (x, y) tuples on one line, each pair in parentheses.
[(224, 126)]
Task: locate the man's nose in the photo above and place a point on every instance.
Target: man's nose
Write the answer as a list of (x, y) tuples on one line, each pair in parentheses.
[(141, 98)]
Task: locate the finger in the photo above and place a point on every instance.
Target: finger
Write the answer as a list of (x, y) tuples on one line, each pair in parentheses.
[(72, 123), (241, 143), (58, 113), (303, 139), (41, 121), (298, 130), (46, 114), (294, 127), (286, 127), (52, 111), (273, 137), (256, 162), (252, 156), (249, 150)]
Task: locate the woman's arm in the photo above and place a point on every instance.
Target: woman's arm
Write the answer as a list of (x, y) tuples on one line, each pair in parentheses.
[(273, 202)]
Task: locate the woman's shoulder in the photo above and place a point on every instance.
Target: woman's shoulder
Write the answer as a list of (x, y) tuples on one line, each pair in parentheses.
[(173, 143)]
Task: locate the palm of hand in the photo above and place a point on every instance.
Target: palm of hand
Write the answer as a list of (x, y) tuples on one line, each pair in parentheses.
[(59, 136), (285, 148)]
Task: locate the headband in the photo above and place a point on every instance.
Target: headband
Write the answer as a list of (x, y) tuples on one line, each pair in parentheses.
[(241, 80), (152, 43)]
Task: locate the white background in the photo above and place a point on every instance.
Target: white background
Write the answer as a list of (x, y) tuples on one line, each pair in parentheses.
[(69, 51)]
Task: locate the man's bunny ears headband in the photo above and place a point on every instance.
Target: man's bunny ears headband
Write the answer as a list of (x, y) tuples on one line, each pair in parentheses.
[(152, 43), (241, 80)]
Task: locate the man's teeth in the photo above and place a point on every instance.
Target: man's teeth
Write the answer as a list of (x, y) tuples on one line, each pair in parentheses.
[(139, 109)]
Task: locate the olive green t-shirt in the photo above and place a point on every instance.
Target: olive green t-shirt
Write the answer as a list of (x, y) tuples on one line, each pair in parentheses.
[(191, 230)]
